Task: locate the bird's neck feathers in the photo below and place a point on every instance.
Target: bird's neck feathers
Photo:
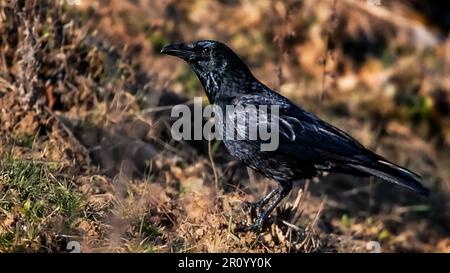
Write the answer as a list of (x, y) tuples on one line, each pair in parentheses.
[(225, 80), (212, 83)]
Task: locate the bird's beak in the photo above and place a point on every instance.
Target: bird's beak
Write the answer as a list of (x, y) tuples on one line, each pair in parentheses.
[(183, 51)]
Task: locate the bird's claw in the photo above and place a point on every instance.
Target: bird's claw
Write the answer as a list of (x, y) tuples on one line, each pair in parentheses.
[(251, 228), (258, 225), (253, 207), (255, 210)]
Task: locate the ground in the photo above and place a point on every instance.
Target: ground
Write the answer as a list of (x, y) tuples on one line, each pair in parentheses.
[(85, 145)]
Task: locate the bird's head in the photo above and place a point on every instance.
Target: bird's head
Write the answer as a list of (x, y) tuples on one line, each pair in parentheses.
[(207, 56)]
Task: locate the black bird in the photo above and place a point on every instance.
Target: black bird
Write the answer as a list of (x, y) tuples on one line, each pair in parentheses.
[(307, 144)]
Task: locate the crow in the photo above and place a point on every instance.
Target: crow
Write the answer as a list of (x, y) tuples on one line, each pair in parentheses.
[(307, 144)]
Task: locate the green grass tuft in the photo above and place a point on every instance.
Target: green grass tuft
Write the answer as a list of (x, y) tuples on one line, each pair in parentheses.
[(33, 203)]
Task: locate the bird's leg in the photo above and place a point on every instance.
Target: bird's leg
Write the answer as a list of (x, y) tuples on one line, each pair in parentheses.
[(261, 203), (281, 193)]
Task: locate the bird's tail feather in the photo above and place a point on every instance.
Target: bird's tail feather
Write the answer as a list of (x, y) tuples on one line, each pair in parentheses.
[(393, 173)]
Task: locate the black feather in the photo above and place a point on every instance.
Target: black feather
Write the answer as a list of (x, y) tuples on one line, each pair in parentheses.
[(393, 173)]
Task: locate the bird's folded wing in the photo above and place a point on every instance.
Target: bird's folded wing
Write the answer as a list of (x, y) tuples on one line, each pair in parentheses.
[(302, 132)]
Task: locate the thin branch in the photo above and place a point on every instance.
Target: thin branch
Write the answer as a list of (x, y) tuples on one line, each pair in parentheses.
[(213, 165), (328, 42)]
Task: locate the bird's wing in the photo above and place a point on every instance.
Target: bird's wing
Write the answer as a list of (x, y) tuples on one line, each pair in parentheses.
[(303, 132), (307, 140)]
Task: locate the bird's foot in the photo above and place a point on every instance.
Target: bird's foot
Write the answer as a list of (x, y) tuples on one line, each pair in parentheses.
[(253, 228), (256, 227), (258, 207), (255, 210), (253, 207), (260, 216), (259, 223)]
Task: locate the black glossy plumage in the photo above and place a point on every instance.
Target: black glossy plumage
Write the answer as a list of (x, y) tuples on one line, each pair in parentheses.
[(308, 144)]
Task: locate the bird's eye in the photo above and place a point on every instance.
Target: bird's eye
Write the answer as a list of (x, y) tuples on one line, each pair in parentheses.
[(205, 52)]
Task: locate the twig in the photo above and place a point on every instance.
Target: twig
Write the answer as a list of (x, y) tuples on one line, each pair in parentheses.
[(216, 179), (328, 41), (374, 145), (163, 108), (314, 222), (300, 198), (391, 17), (285, 34), (251, 176), (294, 227)]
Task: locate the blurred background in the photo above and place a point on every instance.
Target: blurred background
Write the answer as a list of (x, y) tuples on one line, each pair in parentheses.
[(85, 146)]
